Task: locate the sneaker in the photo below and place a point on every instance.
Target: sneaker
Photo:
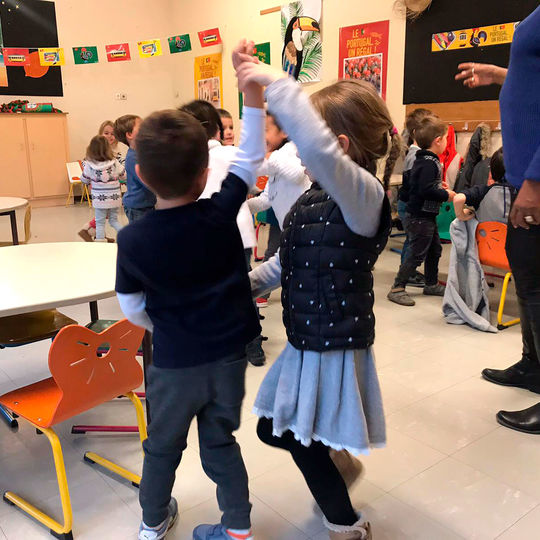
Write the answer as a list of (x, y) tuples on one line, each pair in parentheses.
[(255, 353), (150, 533), (85, 235), (417, 280), (218, 532), (261, 302), (110, 240), (434, 290), (401, 297)]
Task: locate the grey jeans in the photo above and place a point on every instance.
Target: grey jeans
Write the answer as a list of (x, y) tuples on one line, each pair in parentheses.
[(134, 214), (212, 393)]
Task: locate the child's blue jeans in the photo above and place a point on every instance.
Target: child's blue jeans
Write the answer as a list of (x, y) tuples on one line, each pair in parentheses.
[(101, 217)]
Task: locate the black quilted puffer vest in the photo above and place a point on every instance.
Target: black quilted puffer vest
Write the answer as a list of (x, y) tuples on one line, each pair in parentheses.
[(327, 284)]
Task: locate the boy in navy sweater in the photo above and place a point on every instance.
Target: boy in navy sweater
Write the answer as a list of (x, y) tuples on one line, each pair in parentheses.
[(425, 197), (202, 314), (138, 200)]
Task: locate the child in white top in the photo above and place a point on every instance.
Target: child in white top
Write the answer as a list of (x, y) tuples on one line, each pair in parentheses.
[(104, 173), (227, 138), (287, 178)]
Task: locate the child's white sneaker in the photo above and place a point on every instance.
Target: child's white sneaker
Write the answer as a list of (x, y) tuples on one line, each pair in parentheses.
[(156, 533), (219, 532)]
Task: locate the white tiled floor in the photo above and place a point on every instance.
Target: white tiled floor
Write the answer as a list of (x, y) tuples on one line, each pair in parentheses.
[(449, 471)]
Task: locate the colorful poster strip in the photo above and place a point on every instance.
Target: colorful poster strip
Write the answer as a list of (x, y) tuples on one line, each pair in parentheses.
[(149, 48), (178, 44), (482, 36), (209, 79), (118, 53), (85, 55), (363, 53), (51, 56), (211, 37), (262, 52), (16, 57)]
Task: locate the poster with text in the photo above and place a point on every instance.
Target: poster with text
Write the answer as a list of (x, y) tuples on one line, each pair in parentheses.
[(85, 55), (209, 79), (363, 53), (149, 48), (301, 34), (178, 44), (3, 71), (262, 52), (208, 38), (118, 53), (51, 56)]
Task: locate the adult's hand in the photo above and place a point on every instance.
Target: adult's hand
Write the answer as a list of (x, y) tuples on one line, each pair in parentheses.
[(526, 209), (474, 75)]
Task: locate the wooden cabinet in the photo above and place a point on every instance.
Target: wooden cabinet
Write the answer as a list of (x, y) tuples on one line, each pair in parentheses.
[(33, 154)]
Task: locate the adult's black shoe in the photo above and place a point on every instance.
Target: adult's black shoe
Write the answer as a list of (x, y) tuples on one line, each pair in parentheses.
[(527, 420), (255, 353), (524, 374)]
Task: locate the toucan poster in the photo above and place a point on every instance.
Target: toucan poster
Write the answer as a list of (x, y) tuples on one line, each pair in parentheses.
[(302, 44), (363, 53)]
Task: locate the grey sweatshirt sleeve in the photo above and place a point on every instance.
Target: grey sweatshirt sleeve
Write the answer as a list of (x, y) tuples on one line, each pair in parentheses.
[(357, 192), (266, 277)]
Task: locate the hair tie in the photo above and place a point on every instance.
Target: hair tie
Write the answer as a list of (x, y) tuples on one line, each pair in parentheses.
[(394, 131)]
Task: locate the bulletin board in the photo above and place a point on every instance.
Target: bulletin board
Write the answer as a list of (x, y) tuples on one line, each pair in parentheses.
[(429, 75), (30, 25)]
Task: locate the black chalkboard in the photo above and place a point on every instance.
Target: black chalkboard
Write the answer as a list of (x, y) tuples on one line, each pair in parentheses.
[(429, 77), (31, 25)]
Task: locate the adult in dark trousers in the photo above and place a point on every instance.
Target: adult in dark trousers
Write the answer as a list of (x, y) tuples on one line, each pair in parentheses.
[(520, 121)]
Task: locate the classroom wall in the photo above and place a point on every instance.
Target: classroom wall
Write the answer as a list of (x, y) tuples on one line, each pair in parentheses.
[(89, 90), (240, 18)]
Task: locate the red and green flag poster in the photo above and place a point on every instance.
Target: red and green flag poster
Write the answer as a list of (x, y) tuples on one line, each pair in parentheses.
[(211, 37), (363, 53), (118, 53), (85, 55), (178, 44)]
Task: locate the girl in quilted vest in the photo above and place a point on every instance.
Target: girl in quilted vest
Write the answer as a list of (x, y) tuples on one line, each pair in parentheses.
[(104, 172), (321, 399)]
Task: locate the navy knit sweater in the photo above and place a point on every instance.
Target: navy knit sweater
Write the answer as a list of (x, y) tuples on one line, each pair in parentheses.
[(520, 104)]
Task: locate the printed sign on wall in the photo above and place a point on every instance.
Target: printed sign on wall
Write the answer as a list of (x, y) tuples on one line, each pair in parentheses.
[(149, 48), (178, 44), (211, 37), (118, 53), (51, 56), (16, 57), (209, 79), (363, 53), (85, 55)]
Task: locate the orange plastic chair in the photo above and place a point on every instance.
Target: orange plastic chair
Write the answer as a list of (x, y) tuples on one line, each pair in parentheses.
[(491, 240), (81, 379)]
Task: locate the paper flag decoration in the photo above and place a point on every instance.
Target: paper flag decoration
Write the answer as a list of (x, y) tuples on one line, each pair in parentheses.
[(149, 48), (3, 71), (85, 55), (52, 56), (262, 52), (211, 37), (118, 53), (16, 57), (179, 44)]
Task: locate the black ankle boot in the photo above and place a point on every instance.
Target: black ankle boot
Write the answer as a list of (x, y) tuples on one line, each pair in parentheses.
[(527, 420), (524, 374)]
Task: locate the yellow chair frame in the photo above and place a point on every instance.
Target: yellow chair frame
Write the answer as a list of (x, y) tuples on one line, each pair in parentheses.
[(74, 179), (63, 531), (500, 324)]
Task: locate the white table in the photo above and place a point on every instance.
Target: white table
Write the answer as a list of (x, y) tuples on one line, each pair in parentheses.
[(47, 276), (8, 205)]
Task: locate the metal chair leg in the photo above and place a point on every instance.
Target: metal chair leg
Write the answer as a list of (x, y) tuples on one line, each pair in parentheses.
[(8, 418), (500, 324)]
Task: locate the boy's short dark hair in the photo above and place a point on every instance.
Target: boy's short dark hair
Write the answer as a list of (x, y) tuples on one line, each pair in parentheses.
[(224, 113), (123, 125), (497, 165), (172, 152), (274, 119), (207, 115), (413, 121), (428, 129)]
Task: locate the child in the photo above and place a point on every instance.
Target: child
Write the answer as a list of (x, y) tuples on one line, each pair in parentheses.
[(287, 180), (88, 232), (425, 197), (411, 123), (138, 200), (202, 314), (103, 172), (322, 392), (227, 138), (490, 202), (220, 159)]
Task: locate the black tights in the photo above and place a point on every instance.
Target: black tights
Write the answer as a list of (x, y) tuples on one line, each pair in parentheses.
[(321, 475)]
